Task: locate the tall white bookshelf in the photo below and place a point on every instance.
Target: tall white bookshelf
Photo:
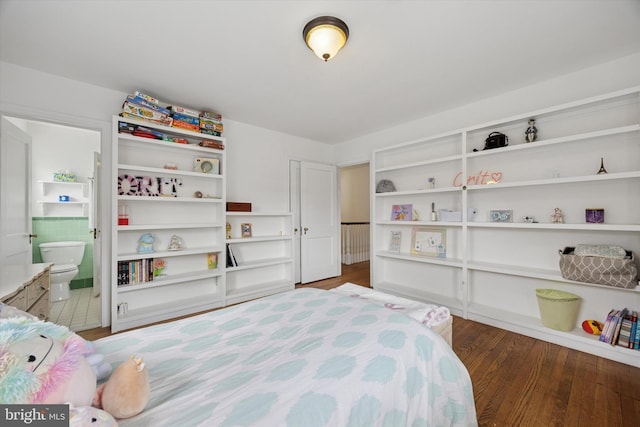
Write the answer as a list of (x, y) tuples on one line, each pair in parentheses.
[(165, 195)]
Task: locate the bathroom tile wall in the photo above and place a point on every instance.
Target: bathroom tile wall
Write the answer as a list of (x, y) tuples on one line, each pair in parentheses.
[(57, 229)]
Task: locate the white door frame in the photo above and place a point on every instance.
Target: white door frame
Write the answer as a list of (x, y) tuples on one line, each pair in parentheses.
[(104, 128)]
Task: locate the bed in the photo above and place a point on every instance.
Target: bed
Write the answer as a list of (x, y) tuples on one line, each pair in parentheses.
[(305, 358)]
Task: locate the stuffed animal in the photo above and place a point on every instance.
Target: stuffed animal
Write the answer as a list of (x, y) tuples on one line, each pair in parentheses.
[(88, 416), (127, 391), (45, 363), (592, 327), (145, 243)]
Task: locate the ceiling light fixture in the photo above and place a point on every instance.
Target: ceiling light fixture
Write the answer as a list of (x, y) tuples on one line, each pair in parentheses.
[(325, 36)]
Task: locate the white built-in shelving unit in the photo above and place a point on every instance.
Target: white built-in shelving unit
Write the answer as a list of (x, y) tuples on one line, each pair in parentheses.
[(196, 216), (264, 260), (492, 269)]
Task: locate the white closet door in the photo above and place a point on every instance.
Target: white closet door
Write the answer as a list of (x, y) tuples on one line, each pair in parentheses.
[(319, 220)]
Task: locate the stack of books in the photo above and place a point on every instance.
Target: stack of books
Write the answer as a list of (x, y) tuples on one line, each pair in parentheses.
[(185, 118), (144, 107), (147, 108), (211, 123), (621, 328)]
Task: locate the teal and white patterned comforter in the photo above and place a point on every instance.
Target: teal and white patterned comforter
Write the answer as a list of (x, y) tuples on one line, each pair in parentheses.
[(305, 358)]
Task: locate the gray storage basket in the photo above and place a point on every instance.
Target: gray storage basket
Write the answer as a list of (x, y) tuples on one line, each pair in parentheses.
[(614, 272)]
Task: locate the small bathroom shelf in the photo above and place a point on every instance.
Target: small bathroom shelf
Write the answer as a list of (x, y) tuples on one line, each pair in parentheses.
[(78, 188), (70, 209)]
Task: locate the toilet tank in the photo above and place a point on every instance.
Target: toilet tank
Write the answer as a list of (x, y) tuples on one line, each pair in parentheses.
[(62, 252)]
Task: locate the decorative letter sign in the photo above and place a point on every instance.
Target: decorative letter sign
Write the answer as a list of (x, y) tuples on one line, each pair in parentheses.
[(482, 178)]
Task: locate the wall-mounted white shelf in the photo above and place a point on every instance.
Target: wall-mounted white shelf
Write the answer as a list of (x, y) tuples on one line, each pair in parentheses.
[(63, 209), (77, 188), (77, 205)]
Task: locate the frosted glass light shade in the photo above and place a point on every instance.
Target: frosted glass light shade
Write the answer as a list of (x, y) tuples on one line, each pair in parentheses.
[(325, 36)]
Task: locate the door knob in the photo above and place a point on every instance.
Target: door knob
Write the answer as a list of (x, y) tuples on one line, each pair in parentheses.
[(305, 230), (32, 236)]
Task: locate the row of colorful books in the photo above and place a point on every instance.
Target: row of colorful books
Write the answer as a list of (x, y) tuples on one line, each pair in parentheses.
[(621, 328), (144, 107), (136, 271)]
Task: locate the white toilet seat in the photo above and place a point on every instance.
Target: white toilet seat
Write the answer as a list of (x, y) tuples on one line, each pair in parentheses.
[(63, 268)]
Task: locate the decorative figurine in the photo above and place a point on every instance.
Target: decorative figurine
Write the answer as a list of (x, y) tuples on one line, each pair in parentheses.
[(159, 265), (228, 231), (557, 217), (602, 169), (529, 219), (176, 243), (531, 133), (145, 243), (415, 217)]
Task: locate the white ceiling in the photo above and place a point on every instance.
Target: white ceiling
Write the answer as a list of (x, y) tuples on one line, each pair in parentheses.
[(247, 60)]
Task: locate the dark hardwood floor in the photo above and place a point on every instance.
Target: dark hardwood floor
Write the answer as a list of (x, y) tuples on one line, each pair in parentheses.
[(521, 381)]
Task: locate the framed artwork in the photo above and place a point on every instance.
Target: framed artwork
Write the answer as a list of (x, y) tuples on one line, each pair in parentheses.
[(246, 229), (402, 212), (429, 241), (394, 242), (501, 216)]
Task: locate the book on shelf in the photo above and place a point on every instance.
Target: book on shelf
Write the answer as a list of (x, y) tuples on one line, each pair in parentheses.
[(636, 341), (632, 332), (231, 259), (394, 242), (618, 326), (625, 331), (607, 325)]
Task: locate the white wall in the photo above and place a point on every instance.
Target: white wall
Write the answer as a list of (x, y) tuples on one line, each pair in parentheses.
[(354, 193), (258, 164), (55, 148), (601, 79), (257, 171)]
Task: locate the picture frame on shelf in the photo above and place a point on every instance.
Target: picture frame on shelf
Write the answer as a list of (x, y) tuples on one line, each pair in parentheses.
[(394, 242), (402, 212), (501, 215), (246, 229), (429, 241), (212, 261)]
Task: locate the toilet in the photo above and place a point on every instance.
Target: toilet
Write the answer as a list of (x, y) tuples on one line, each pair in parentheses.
[(66, 257)]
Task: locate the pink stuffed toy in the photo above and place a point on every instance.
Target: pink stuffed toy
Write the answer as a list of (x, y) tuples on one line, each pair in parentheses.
[(45, 363)]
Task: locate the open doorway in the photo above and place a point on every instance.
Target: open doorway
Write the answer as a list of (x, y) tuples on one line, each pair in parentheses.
[(63, 210), (355, 213)]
